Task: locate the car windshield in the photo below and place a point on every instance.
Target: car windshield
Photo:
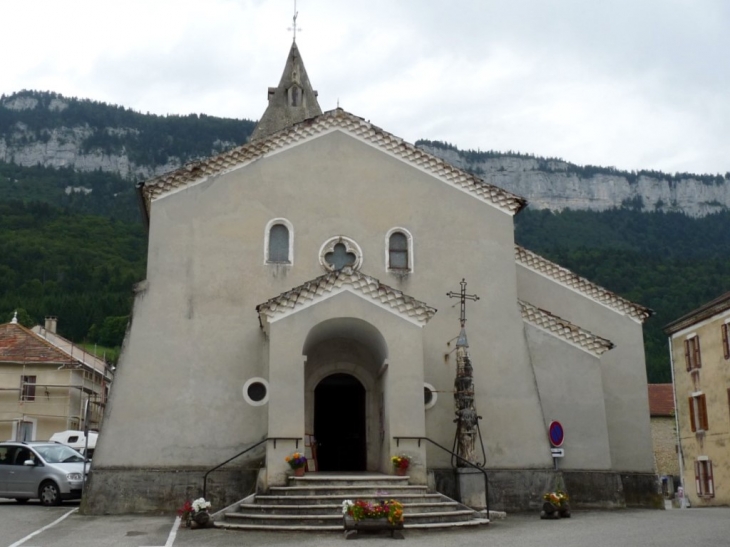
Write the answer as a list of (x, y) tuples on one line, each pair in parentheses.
[(58, 454)]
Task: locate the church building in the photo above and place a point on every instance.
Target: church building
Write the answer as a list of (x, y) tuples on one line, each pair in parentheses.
[(300, 287)]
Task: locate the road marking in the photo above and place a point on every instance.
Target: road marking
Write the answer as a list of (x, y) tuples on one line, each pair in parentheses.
[(171, 537), (46, 527)]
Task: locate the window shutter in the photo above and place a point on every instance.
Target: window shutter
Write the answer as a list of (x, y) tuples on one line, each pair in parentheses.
[(686, 356), (692, 421), (702, 409), (710, 481), (725, 341), (697, 356), (698, 484)]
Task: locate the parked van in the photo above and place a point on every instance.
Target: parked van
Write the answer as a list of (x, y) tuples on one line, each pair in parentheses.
[(77, 441)]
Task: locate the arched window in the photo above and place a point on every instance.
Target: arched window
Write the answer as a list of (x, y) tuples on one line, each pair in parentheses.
[(278, 242), (399, 251)]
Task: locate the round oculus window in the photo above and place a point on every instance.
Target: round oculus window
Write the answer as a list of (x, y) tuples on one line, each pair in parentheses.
[(429, 395), (256, 391)]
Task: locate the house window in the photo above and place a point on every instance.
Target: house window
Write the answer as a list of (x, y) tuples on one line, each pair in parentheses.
[(25, 431), (27, 385), (399, 250), (703, 478), (692, 356), (726, 340), (278, 242), (698, 412)]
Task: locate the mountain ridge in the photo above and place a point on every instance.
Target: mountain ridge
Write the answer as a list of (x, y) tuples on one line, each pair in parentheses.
[(48, 129)]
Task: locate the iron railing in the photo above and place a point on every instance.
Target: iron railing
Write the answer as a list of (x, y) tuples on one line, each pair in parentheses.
[(454, 455), (205, 477)]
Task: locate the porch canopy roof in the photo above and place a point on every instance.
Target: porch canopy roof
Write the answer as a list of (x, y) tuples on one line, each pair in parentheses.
[(333, 283)]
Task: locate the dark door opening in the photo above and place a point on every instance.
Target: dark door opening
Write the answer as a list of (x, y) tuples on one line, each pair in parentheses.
[(339, 423)]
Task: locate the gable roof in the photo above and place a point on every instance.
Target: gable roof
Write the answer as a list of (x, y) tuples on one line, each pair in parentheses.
[(332, 120), (564, 329), (565, 277), (20, 345), (332, 283), (713, 307), (661, 400)]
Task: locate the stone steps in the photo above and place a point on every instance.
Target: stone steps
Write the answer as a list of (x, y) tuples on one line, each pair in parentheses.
[(314, 503)]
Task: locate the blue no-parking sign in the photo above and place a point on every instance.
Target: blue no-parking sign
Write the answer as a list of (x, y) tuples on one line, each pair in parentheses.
[(557, 435)]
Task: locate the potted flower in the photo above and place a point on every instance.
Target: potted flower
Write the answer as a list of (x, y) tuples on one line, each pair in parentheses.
[(298, 462), (194, 514), (555, 505), (401, 464), (360, 515)]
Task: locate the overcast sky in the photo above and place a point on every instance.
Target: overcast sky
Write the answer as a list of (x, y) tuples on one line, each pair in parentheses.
[(635, 84)]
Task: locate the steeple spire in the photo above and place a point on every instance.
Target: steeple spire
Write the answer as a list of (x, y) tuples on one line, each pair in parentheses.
[(291, 102)]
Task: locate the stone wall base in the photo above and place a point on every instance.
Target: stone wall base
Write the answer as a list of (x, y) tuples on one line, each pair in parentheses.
[(522, 489), (153, 491)]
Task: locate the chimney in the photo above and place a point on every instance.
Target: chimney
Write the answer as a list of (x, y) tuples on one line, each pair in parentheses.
[(51, 324)]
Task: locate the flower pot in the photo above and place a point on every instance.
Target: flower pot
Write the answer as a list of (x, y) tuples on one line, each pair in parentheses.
[(401, 471), (299, 472)]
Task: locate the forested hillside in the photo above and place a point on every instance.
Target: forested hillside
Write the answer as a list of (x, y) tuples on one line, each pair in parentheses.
[(72, 242), (79, 267)]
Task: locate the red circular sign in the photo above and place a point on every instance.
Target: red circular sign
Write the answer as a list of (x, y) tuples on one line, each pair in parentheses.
[(557, 435)]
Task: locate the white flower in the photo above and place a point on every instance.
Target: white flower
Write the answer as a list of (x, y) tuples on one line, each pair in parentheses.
[(200, 504), (346, 506)]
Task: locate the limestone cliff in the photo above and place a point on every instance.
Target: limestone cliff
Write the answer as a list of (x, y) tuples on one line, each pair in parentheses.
[(40, 128), (556, 185)]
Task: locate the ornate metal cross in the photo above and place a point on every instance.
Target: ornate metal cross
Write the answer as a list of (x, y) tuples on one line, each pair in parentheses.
[(294, 28), (464, 297)]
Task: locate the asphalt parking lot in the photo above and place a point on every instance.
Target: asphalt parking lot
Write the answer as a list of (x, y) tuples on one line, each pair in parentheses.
[(33, 525)]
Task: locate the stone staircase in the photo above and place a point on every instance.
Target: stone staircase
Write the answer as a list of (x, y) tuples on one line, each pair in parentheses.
[(314, 503)]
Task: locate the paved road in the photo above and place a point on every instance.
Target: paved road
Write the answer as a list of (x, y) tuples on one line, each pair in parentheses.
[(623, 528)]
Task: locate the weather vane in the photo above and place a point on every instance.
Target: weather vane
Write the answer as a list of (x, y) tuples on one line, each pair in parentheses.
[(294, 28), (463, 297)]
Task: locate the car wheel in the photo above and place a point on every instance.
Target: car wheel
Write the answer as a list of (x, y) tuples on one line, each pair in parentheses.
[(21, 501), (49, 494)]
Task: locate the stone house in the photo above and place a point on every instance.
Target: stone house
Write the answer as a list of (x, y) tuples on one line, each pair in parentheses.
[(700, 351), (297, 285), (47, 383), (664, 435)]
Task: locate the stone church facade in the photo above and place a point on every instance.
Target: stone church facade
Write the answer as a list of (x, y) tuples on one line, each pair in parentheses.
[(297, 285)]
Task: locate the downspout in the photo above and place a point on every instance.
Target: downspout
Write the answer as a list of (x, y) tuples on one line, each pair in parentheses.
[(680, 455)]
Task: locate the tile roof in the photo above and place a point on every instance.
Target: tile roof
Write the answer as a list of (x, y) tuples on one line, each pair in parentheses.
[(713, 307), (331, 120), (564, 276), (72, 350), (21, 345), (564, 329), (331, 282), (661, 400)]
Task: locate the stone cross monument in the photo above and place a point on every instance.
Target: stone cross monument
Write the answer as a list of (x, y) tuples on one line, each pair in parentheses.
[(466, 414)]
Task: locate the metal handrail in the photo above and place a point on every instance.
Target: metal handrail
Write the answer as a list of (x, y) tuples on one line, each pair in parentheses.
[(205, 477), (453, 454)]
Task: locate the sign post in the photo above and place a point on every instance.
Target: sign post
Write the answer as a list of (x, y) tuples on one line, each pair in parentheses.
[(556, 433)]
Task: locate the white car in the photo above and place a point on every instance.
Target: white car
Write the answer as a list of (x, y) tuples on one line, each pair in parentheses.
[(50, 472)]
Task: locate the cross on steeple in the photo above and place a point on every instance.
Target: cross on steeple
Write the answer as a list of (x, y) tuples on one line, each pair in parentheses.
[(294, 28), (464, 297)]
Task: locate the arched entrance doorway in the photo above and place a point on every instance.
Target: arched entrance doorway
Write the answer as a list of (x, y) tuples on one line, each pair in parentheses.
[(340, 423)]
